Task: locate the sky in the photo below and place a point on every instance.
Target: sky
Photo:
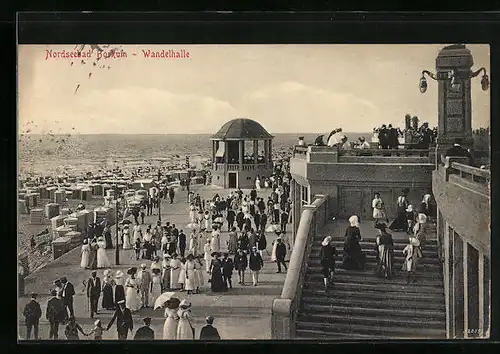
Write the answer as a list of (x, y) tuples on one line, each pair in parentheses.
[(286, 88)]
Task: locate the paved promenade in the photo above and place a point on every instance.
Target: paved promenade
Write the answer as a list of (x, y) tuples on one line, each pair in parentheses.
[(243, 312)]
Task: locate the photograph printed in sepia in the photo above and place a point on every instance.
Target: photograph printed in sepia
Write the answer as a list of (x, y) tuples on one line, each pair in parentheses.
[(253, 192)]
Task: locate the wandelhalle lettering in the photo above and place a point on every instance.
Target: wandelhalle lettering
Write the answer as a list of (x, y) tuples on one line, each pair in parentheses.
[(167, 54)]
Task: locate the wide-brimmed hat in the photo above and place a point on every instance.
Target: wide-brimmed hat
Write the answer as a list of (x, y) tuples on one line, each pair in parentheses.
[(119, 274), (106, 272), (410, 208), (132, 271), (86, 241), (143, 265), (422, 218), (121, 302), (414, 241), (326, 241), (184, 303), (156, 271)]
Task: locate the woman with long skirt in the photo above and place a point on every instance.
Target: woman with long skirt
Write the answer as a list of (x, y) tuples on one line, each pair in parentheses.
[(378, 209), (198, 274), (93, 254), (353, 257), (108, 302), (400, 224), (182, 274), (102, 257), (420, 230), (232, 243), (207, 255), (385, 247), (84, 263), (155, 290), (216, 282), (412, 254), (171, 321), (127, 245), (189, 277), (175, 269), (327, 256), (132, 299), (192, 213), (119, 289), (166, 272), (193, 243), (185, 329)]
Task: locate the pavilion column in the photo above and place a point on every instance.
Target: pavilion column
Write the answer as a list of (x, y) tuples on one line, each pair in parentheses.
[(270, 153), (255, 153), (241, 153), (214, 151), (266, 153), (226, 152)]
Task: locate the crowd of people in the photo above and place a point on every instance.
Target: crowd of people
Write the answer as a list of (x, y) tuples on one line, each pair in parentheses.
[(414, 222)]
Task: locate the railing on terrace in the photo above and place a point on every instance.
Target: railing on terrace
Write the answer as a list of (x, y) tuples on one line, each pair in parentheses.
[(457, 166), (245, 167), (285, 308), (302, 151)]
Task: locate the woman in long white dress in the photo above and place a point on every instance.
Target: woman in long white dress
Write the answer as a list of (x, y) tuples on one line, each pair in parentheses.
[(102, 257), (192, 213), (257, 183), (182, 274), (127, 245), (207, 255), (132, 299), (137, 232), (378, 209), (193, 243), (189, 277), (185, 330), (215, 242), (155, 290), (84, 263), (201, 238), (198, 274), (171, 322), (175, 269), (208, 221)]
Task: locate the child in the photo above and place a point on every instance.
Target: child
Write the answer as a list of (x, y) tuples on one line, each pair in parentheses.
[(410, 218), (97, 330), (412, 253), (137, 248)]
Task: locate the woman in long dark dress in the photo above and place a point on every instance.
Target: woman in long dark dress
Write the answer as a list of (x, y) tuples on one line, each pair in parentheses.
[(217, 284), (327, 256), (119, 289), (385, 248), (400, 223), (107, 291), (93, 254), (353, 257)]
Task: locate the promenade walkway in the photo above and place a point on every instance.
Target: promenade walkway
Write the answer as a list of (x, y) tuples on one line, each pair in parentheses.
[(243, 312)]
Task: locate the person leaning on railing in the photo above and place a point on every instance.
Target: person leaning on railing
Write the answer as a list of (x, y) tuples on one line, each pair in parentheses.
[(459, 151)]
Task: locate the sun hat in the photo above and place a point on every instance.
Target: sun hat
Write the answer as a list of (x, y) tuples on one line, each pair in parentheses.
[(119, 274), (185, 303), (410, 208), (326, 241), (414, 241)]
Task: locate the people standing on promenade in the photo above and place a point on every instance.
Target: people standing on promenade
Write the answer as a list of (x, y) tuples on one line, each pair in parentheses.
[(182, 274), (32, 313), (278, 253), (171, 194), (55, 314), (155, 289), (207, 255), (241, 264), (102, 257), (198, 274), (137, 232), (227, 270), (137, 248), (119, 289), (107, 237), (400, 223), (143, 215), (255, 263), (327, 260), (378, 209), (215, 271), (412, 254), (182, 243), (193, 243), (132, 297), (145, 332), (215, 242), (93, 292), (209, 332), (108, 302), (185, 329), (93, 254), (385, 249), (189, 277), (353, 256), (232, 243), (165, 275), (171, 320), (127, 244), (68, 291), (175, 270), (124, 322), (192, 213), (84, 263)]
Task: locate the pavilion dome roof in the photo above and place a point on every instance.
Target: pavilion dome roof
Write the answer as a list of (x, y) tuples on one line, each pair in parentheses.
[(242, 129)]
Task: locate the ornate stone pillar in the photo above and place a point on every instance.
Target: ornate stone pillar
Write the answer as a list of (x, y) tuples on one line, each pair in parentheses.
[(454, 103), (214, 152)]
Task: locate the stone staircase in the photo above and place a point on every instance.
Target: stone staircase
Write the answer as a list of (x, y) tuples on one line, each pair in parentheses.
[(360, 305)]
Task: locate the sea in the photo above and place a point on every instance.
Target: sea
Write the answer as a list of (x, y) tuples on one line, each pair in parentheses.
[(79, 153)]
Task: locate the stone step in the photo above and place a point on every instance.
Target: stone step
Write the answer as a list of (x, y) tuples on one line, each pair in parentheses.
[(395, 320), (373, 295), (333, 335), (397, 280), (380, 332), (370, 244), (369, 273), (372, 307), (372, 257), (385, 288)]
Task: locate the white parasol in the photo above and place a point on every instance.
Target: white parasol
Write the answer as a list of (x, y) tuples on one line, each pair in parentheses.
[(163, 298)]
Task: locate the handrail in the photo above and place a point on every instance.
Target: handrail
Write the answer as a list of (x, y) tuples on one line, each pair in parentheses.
[(285, 308), (471, 170)]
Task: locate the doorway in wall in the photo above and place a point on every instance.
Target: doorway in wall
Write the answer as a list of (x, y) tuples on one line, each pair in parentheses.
[(232, 179)]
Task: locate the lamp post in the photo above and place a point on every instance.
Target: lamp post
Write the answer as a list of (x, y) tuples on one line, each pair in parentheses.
[(455, 78)]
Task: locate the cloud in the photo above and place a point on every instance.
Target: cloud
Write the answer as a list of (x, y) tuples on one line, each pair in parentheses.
[(297, 105)]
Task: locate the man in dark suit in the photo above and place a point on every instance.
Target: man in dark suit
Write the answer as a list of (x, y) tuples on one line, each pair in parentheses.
[(284, 221), (56, 314), (145, 332), (32, 313), (227, 270), (67, 296), (280, 253), (459, 151), (93, 292), (123, 319), (263, 221), (209, 332)]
